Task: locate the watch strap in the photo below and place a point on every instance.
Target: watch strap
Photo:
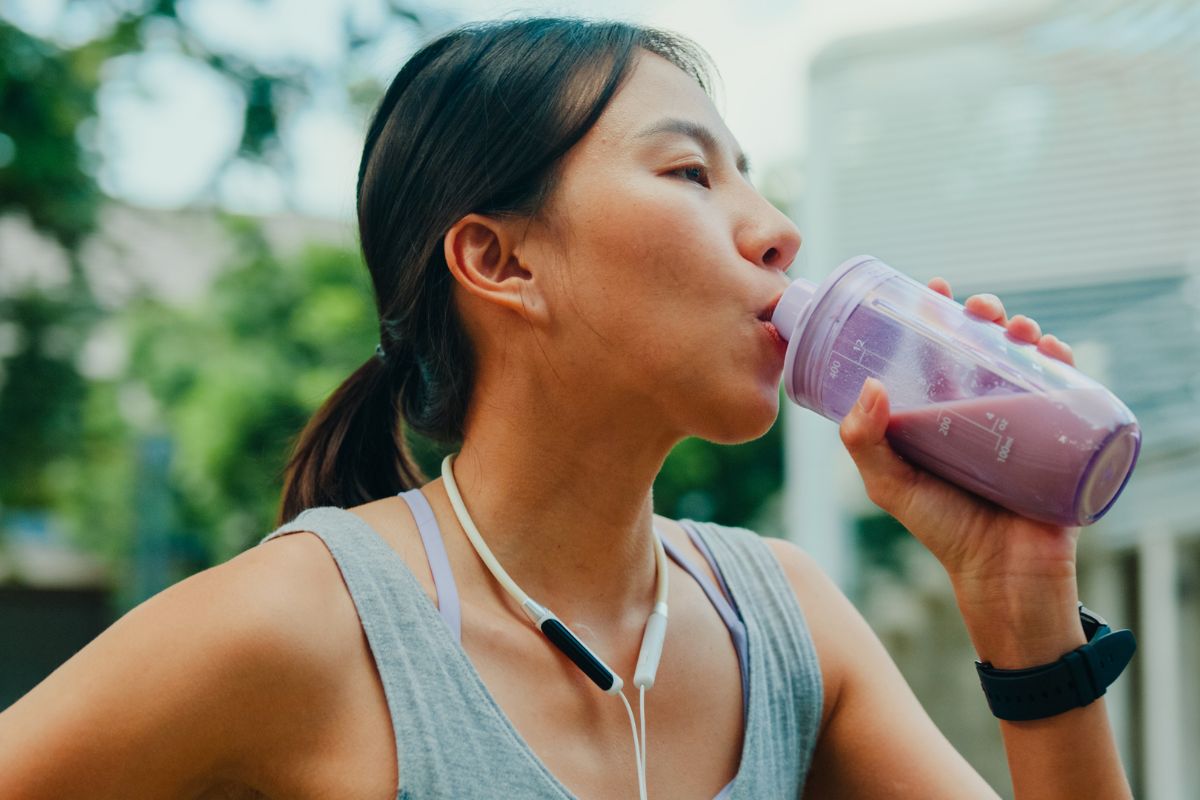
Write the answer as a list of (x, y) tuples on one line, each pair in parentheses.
[(1075, 680)]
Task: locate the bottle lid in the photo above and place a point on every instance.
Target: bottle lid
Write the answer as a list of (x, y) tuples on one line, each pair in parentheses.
[(791, 306)]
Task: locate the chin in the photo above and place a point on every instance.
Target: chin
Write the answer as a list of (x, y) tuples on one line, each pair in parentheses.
[(743, 418)]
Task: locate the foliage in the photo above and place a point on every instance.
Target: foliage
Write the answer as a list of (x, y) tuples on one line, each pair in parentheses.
[(236, 376), (64, 442), (39, 399), (45, 94), (880, 542), (726, 484)]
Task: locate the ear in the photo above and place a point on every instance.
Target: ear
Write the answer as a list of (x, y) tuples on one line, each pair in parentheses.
[(481, 253)]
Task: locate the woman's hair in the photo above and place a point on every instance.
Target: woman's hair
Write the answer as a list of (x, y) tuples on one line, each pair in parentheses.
[(476, 121)]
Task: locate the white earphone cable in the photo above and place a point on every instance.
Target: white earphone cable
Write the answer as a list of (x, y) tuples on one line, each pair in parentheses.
[(637, 752), (642, 717)]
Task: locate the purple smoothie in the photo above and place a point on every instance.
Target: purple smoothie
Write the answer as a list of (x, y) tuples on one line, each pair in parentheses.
[(1055, 457), (969, 403)]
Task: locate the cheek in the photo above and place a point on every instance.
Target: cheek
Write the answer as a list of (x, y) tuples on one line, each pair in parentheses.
[(640, 227), (670, 239), (648, 278), (656, 280)]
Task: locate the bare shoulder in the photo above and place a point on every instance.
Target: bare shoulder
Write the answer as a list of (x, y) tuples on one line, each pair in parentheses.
[(195, 687), (295, 591), (319, 724)]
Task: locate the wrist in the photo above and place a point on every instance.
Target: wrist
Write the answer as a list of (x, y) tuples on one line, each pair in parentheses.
[(1020, 629), (1073, 681)]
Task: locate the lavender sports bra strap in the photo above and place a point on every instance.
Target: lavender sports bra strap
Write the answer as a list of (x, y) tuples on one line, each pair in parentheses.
[(439, 563), (729, 614)]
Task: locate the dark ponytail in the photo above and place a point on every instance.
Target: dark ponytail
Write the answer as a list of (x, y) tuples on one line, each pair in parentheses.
[(356, 425), (475, 122)]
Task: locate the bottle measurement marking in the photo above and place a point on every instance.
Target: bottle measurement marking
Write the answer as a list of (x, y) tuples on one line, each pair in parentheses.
[(1003, 445), (999, 424), (877, 366)]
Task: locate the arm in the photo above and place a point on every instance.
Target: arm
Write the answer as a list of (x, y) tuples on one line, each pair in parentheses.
[(1015, 583), (876, 740), (180, 694), (1073, 754)]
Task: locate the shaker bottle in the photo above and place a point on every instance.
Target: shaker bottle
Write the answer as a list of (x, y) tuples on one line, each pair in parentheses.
[(968, 402)]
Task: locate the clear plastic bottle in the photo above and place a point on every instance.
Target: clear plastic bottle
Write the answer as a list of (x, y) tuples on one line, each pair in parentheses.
[(968, 402)]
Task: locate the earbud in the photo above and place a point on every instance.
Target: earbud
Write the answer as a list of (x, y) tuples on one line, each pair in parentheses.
[(652, 645)]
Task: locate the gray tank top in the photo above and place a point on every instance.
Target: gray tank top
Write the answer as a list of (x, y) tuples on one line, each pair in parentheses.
[(453, 739)]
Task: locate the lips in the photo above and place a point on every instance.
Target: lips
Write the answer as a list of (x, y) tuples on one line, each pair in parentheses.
[(766, 314), (777, 341)]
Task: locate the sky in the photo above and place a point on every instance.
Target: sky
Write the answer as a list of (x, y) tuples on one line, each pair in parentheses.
[(164, 133)]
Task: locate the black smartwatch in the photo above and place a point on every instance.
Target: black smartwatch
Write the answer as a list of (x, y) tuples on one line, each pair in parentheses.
[(1073, 681)]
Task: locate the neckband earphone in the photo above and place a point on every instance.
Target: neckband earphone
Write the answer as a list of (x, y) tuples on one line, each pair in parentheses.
[(566, 641)]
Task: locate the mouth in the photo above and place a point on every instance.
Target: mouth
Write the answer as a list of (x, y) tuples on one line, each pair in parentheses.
[(777, 341), (766, 314)]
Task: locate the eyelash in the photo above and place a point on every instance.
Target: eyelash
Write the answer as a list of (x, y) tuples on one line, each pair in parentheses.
[(703, 170)]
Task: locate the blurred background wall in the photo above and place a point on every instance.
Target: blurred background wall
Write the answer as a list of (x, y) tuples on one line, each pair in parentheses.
[(180, 287)]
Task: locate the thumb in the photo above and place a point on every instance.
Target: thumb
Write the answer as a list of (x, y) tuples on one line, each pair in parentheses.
[(886, 477)]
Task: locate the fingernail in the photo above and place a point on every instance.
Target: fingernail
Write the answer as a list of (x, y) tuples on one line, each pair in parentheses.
[(873, 391), (1057, 340), (1037, 329)]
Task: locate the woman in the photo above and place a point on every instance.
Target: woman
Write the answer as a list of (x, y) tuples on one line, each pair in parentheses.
[(571, 270)]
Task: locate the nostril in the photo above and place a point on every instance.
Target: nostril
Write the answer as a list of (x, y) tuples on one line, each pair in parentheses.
[(770, 257)]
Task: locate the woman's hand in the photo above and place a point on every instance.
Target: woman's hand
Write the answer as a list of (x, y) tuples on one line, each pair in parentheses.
[(1014, 577)]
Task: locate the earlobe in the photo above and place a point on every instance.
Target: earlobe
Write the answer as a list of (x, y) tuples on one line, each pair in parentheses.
[(482, 256)]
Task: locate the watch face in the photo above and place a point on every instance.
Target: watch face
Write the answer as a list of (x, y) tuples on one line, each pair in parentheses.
[(1091, 621)]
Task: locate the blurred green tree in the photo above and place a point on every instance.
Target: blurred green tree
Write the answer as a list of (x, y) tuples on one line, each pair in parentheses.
[(236, 376), (45, 94), (728, 484), (50, 416)]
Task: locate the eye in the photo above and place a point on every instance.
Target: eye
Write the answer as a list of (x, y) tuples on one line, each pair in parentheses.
[(698, 173)]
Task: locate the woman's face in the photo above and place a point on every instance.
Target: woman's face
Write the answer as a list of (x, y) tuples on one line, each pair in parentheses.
[(668, 258)]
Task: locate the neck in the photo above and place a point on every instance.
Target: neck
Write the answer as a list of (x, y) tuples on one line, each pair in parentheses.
[(566, 507)]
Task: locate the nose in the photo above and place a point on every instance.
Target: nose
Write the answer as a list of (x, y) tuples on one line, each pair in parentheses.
[(766, 236)]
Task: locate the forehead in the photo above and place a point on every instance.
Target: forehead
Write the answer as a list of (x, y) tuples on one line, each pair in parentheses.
[(656, 89)]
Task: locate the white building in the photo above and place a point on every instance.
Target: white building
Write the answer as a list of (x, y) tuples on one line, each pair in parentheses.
[(1049, 154)]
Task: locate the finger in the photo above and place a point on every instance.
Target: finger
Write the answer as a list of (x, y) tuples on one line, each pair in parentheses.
[(1024, 329), (941, 286), (885, 475), (987, 306), (1054, 347)]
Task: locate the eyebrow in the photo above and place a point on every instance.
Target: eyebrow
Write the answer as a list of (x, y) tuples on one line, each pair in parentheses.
[(693, 130)]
